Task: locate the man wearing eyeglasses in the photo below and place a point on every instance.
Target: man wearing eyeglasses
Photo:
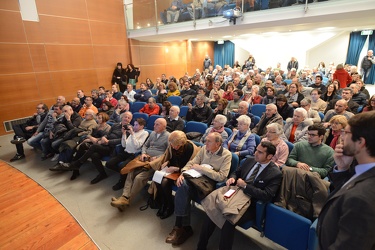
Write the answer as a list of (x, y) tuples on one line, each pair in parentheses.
[(347, 219), (312, 155)]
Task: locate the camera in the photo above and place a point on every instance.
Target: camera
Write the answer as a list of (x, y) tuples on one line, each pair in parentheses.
[(126, 127)]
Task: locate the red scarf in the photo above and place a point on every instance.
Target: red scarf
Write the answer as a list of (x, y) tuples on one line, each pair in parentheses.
[(217, 130), (336, 136)]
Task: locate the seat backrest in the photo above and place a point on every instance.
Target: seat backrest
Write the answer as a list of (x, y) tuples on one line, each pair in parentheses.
[(321, 115), (151, 120), (286, 228), (290, 145), (136, 106), (193, 126), (256, 119), (183, 111), (288, 81), (175, 100), (139, 115), (228, 130), (257, 140), (258, 109)]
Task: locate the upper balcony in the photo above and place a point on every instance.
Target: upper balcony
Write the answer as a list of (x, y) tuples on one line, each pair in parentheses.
[(146, 19)]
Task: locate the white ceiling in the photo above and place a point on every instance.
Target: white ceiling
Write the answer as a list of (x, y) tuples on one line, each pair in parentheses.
[(337, 15)]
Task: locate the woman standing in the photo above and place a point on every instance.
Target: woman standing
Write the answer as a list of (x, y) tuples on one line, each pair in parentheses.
[(132, 75), (119, 77)]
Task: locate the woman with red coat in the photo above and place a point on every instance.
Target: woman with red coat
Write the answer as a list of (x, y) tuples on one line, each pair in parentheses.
[(342, 75)]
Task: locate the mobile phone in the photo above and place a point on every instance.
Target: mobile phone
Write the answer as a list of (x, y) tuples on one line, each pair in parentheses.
[(229, 193)]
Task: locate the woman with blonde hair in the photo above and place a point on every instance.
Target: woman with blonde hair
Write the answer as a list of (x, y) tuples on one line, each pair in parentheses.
[(338, 123), (173, 90)]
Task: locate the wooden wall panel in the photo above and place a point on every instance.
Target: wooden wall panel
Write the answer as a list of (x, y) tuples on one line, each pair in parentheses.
[(108, 33), (44, 85), (18, 88), (104, 76), (66, 8), (67, 83), (11, 25), (9, 5), (9, 63), (110, 55), (38, 57), (65, 31), (152, 55), (69, 57), (106, 10), (34, 32)]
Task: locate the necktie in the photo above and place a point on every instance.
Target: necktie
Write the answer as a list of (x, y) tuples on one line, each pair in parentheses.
[(253, 174)]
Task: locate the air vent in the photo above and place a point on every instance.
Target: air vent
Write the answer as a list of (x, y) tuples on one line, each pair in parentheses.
[(8, 124)]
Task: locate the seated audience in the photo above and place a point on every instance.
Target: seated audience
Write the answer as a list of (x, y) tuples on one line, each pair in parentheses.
[(233, 105), (347, 94), (88, 105), (268, 117), (228, 94), (150, 108), (214, 102), (116, 94), (76, 104), (317, 104), (217, 126), (129, 92), (51, 142), (270, 96), (243, 109), (242, 141), (319, 84), (260, 179), (173, 90), (295, 129), (340, 109), (274, 135), (200, 112), (96, 100), (338, 123), (187, 94), (219, 160), (109, 98), (165, 107), (220, 109), (363, 88), (370, 105), (283, 107), (330, 94), (107, 108), (311, 114), (104, 146), (293, 96), (312, 155), (174, 122), (132, 140), (142, 94), (178, 153), (254, 98), (358, 96), (153, 148), (216, 89), (24, 131), (122, 107), (81, 96), (101, 91)]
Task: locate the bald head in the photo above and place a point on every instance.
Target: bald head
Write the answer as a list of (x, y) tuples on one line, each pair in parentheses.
[(160, 125), (341, 106)]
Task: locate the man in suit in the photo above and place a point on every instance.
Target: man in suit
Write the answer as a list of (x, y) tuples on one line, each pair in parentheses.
[(347, 94), (348, 217), (259, 178)]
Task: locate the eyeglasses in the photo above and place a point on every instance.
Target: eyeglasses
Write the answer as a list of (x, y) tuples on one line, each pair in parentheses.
[(312, 135), (343, 132)]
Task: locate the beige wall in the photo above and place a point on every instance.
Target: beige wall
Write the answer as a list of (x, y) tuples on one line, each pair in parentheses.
[(75, 45)]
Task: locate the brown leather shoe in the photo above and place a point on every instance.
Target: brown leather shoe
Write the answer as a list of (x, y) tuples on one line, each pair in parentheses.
[(120, 202), (179, 235)]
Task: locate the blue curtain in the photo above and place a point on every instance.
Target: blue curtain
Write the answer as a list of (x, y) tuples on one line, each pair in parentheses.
[(371, 46), (356, 43), (224, 53)]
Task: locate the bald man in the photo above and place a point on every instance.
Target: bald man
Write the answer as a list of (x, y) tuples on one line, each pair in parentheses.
[(174, 122), (270, 116), (154, 147), (340, 109)]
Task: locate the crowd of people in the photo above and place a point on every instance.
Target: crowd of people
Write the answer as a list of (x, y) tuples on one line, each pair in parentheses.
[(102, 125)]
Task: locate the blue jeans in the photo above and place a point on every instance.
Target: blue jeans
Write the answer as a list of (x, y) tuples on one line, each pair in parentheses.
[(182, 201), (34, 141)]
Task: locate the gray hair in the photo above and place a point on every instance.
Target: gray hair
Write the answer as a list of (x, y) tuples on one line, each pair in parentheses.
[(278, 128), (307, 101), (302, 111), (271, 105), (255, 87), (244, 119), (222, 119)]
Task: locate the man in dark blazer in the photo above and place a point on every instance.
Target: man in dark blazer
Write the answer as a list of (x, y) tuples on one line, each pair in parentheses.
[(347, 219), (259, 178), (347, 94)]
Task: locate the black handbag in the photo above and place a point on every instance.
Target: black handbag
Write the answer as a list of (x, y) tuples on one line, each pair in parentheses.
[(203, 185)]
